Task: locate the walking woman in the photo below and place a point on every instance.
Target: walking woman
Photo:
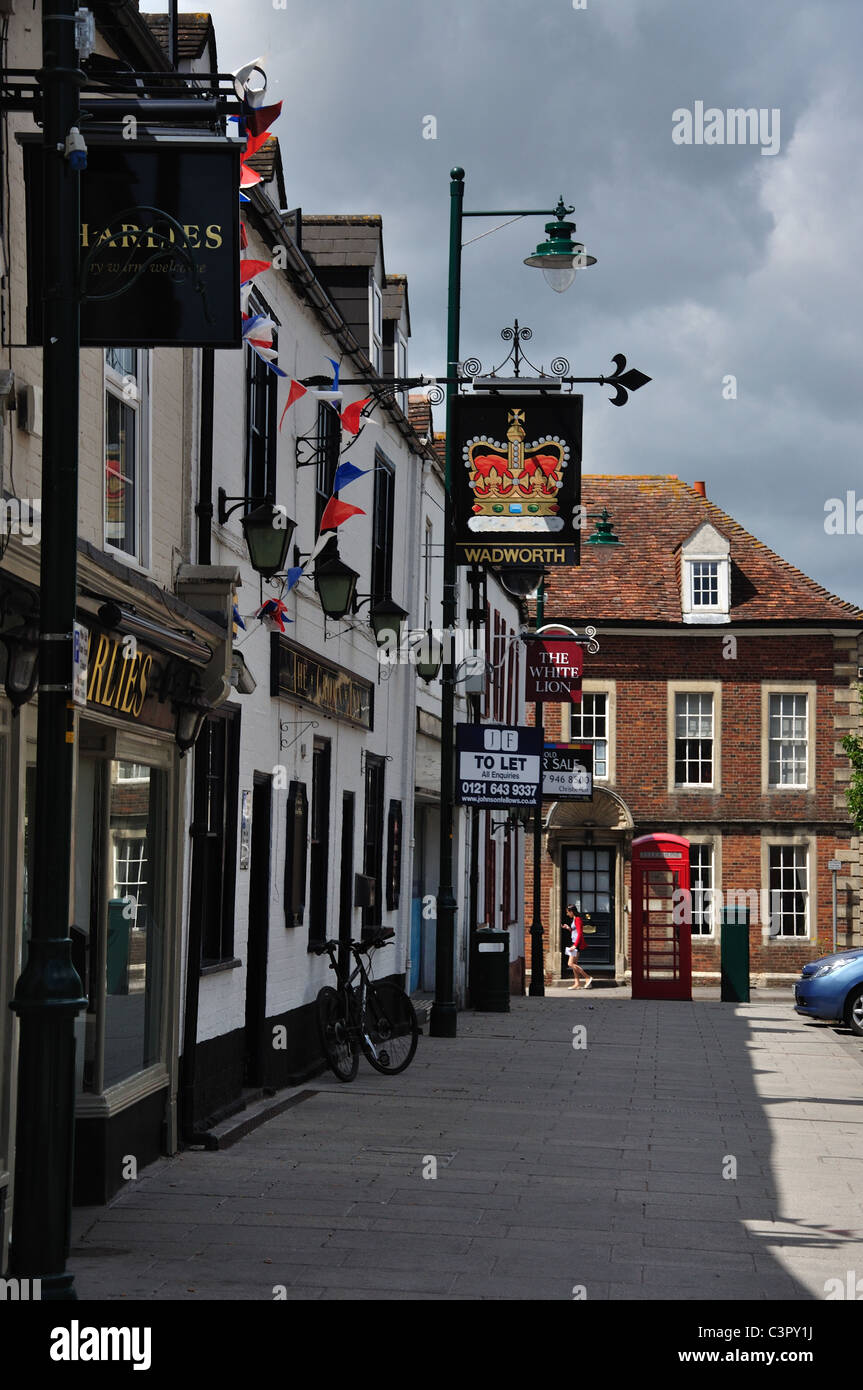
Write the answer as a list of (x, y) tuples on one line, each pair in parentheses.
[(576, 927)]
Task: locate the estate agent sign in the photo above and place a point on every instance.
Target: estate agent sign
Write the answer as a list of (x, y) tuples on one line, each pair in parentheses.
[(517, 482), (567, 771), (498, 765)]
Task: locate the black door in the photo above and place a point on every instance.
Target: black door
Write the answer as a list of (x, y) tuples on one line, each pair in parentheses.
[(588, 881), (259, 930), (320, 842), (346, 876)]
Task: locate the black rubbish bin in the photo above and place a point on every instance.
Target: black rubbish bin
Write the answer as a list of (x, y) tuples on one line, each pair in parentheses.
[(491, 992), (734, 950)]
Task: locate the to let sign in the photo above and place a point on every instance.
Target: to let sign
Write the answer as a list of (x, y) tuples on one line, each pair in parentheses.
[(554, 668), (498, 765)]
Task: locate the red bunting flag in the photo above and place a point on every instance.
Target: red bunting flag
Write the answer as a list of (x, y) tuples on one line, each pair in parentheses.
[(254, 143), (350, 417), (249, 269), (335, 512), (297, 389), (260, 119)]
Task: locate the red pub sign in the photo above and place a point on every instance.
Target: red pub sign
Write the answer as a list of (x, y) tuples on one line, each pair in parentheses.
[(554, 667)]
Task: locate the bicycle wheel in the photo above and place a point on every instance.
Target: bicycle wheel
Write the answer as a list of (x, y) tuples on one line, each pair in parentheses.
[(389, 1039), (337, 1037)]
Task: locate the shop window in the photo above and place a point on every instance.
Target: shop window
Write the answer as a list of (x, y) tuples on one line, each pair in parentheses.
[(126, 501)]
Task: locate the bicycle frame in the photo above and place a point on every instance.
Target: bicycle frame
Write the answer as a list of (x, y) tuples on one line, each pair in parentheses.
[(355, 995)]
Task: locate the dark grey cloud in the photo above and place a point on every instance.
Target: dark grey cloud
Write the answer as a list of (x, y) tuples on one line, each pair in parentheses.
[(712, 260)]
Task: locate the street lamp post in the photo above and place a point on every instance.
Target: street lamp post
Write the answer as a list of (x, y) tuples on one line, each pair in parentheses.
[(48, 993), (557, 256)]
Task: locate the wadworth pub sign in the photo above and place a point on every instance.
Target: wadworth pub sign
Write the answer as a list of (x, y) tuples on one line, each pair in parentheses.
[(517, 479)]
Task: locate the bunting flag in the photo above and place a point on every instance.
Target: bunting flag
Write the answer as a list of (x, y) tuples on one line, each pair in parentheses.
[(297, 389), (249, 269), (244, 236), (268, 355), (244, 199), (350, 417), (238, 621), (274, 613), (248, 177), (254, 143), (323, 540), (293, 576), (335, 366), (347, 473), (260, 118), (335, 512)]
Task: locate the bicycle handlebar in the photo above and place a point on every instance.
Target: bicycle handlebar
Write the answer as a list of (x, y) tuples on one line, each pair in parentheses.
[(381, 938)]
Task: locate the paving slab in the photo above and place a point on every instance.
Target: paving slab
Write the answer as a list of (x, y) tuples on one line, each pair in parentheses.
[(556, 1167)]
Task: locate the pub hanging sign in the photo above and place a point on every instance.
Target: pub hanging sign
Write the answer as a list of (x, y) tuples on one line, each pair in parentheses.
[(159, 222), (517, 479)]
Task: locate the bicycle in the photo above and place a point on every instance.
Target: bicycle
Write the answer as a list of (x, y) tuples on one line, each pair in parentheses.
[(362, 1014)]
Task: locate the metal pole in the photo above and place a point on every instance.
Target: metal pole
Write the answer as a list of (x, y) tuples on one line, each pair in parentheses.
[(537, 964), (442, 1021), (49, 993)]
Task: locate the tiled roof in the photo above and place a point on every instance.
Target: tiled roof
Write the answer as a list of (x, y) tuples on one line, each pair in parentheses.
[(263, 161), (193, 32), (419, 412), (639, 581), (342, 240)]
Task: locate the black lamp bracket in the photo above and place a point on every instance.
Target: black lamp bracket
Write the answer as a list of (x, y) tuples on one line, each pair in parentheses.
[(300, 725), (225, 511)]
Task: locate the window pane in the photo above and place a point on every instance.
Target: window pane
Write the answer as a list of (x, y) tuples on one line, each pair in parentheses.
[(120, 474)]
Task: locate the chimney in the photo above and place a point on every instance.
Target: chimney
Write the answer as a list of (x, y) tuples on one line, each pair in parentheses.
[(699, 488)]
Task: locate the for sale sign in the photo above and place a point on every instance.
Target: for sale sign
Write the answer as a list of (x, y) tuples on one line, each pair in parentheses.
[(498, 765), (554, 667), (567, 771)]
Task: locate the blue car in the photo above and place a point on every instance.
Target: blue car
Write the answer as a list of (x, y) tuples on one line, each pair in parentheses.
[(832, 988)]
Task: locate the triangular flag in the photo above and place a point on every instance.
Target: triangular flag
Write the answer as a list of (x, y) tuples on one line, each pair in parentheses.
[(347, 473), (248, 177), (335, 367), (254, 143), (261, 118), (244, 199), (293, 577), (350, 417), (335, 512), (297, 389), (249, 269), (244, 236), (267, 355), (320, 543)]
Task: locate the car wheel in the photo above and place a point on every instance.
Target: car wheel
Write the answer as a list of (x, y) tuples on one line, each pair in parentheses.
[(854, 1012)]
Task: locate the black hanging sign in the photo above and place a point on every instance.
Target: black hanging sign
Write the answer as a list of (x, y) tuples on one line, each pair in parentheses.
[(138, 197), (517, 479)]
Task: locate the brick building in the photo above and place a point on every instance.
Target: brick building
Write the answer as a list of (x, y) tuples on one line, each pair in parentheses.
[(716, 706)]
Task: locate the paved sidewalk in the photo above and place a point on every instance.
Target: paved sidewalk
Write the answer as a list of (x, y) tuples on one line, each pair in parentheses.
[(559, 1168)]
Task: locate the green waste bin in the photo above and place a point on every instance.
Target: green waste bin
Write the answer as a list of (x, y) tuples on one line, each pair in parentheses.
[(118, 947), (734, 955), (491, 991)]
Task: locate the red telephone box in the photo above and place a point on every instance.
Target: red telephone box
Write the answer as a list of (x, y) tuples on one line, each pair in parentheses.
[(661, 922)]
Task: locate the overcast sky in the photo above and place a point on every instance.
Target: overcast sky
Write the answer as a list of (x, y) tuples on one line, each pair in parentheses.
[(714, 260)]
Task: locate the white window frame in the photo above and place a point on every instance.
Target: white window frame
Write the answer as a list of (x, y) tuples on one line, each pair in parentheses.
[(609, 690), (714, 845), (706, 546), (139, 400), (713, 688), (401, 365), (807, 845), (809, 689)]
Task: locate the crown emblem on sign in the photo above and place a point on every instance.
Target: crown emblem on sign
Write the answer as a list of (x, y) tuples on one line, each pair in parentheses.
[(515, 484)]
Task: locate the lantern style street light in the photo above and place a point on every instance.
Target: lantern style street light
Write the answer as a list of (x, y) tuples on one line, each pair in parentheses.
[(268, 532), (22, 663), (387, 619), (560, 257), (429, 658), (336, 584)]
